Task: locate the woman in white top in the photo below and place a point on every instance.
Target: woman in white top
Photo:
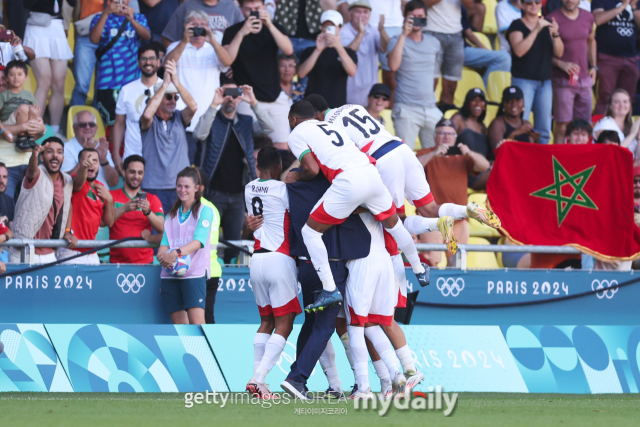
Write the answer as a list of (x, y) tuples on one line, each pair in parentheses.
[(619, 118)]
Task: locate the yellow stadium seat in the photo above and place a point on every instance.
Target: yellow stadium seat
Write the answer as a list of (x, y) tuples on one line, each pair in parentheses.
[(490, 25), (480, 260), (69, 84), (496, 83), (492, 111), (497, 43), (91, 89), (477, 229), (71, 38), (438, 91), (470, 79), (30, 85), (450, 113), (75, 110), (499, 254), (483, 39), (388, 121)]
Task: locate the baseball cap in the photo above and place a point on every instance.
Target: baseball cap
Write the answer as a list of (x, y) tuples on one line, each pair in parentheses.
[(380, 88), (512, 92), (473, 93), (171, 89), (445, 122), (636, 171), (333, 16), (360, 3)]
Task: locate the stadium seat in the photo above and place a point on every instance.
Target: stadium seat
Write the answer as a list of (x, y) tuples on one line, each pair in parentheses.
[(470, 79), (71, 38), (483, 39), (496, 83), (450, 113), (480, 260), (438, 91), (30, 85), (91, 89), (75, 110), (69, 84), (476, 229), (388, 121), (492, 111), (497, 43), (595, 118), (490, 25), (499, 254)]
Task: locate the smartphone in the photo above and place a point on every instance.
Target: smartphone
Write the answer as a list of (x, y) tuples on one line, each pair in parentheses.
[(233, 92), (331, 30), (419, 22), (6, 35), (142, 195), (255, 14)]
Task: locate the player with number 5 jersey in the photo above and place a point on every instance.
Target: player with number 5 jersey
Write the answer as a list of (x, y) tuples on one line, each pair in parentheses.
[(274, 277), (354, 181)]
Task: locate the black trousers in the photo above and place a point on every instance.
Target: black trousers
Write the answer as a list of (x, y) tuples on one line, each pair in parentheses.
[(210, 300)]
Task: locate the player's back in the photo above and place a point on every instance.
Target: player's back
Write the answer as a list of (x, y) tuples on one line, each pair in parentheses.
[(331, 147), (376, 231), (362, 128), (270, 199)]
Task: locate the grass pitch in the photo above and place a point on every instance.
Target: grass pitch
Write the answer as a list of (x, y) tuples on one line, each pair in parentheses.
[(155, 410)]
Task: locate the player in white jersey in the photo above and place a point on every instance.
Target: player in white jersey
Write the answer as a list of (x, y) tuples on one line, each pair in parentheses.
[(273, 272), (354, 182)]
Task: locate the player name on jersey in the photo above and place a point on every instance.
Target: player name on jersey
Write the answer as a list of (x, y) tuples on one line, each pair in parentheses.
[(270, 199)]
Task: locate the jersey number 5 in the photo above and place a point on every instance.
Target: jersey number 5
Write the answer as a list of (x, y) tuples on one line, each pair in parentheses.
[(256, 206), (346, 121), (339, 142)]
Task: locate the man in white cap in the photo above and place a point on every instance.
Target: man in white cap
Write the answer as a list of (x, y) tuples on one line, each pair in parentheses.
[(164, 140), (329, 64)]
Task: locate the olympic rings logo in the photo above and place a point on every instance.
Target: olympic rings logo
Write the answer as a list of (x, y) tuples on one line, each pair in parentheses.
[(130, 282), (625, 31), (605, 285), (450, 286)]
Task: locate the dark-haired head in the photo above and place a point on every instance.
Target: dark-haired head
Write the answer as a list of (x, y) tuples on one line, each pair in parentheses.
[(475, 96), (319, 105), (608, 137), (269, 163), (299, 112), (189, 188)]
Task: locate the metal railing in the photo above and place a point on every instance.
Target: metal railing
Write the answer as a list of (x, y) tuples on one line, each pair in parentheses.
[(27, 248)]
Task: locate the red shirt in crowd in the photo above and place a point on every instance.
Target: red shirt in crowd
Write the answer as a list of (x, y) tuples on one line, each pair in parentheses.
[(87, 213), (131, 224)]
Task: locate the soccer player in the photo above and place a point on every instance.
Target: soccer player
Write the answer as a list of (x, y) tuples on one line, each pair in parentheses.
[(273, 271), (354, 182)]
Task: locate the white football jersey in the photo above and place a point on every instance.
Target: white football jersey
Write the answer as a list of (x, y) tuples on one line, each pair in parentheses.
[(330, 146), (376, 231), (270, 199), (362, 128)]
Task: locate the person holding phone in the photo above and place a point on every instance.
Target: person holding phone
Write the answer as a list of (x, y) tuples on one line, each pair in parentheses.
[(137, 213)]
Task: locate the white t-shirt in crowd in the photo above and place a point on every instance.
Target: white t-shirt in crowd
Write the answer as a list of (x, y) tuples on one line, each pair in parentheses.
[(132, 100), (358, 86), (506, 13), (391, 9), (71, 150), (445, 17), (6, 53), (199, 72)]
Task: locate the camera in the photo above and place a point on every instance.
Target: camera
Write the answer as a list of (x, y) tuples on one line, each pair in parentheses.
[(198, 31), (233, 92), (331, 30), (419, 22)]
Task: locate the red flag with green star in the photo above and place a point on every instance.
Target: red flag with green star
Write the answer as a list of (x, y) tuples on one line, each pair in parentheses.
[(576, 195)]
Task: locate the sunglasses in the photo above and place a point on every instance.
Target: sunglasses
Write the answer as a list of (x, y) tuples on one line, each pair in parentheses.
[(378, 96), (532, 2), (446, 133), (636, 181), (170, 97), (84, 125)]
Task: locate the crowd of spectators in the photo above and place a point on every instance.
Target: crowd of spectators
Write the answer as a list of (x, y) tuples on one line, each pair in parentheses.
[(208, 83)]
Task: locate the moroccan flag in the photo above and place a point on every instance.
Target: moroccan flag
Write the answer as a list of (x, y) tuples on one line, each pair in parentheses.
[(576, 195)]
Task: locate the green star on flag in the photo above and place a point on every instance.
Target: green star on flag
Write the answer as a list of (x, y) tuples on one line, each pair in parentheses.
[(554, 191)]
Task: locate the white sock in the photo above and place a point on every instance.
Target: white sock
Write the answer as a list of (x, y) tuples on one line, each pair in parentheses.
[(319, 256), (405, 242), (417, 224), (55, 128), (455, 211), (381, 370), (347, 349), (328, 363), (383, 346), (259, 341), (406, 358), (360, 356), (272, 351)]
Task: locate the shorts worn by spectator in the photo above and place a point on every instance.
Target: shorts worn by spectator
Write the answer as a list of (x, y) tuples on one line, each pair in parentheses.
[(7, 209), (200, 59), (132, 100), (443, 23), (412, 57), (228, 161), (579, 132), (136, 214), (92, 204), (367, 41), (253, 46), (158, 13), (288, 69), (329, 64), (118, 65), (164, 141), (222, 14), (84, 52), (507, 11), (301, 22), (85, 128), (447, 166), (43, 210), (480, 57), (509, 124), (378, 100), (573, 100), (534, 42), (616, 38)]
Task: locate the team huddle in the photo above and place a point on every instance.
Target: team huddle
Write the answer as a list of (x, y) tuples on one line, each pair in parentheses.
[(341, 215)]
